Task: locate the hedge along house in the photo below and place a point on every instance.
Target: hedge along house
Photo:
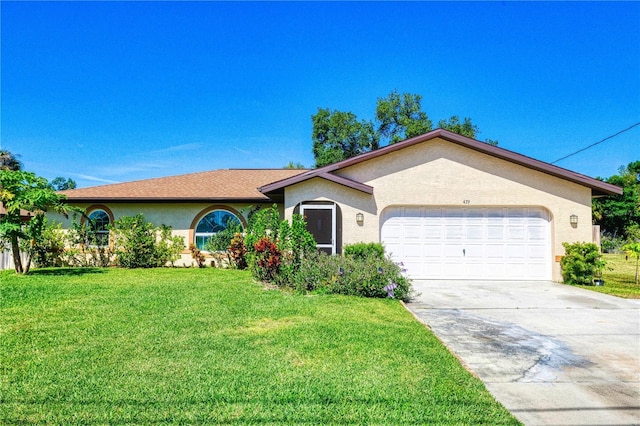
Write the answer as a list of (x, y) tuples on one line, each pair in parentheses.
[(447, 206)]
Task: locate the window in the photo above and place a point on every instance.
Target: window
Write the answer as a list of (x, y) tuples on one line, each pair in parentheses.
[(212, 223), (98, 221)]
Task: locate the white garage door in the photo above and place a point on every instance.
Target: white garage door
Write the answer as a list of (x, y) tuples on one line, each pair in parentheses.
[(469, 243)]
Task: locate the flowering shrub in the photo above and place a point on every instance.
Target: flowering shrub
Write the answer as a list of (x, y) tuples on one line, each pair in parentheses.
[(367, 277)]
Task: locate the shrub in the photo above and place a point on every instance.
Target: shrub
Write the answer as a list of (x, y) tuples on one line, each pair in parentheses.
[(169, 247), (45, 242), (610, 244), (267, 259), (293, 242), (581, 263), (86, 248), (238, 251), (364, 250), (366, 277), (221, 240), (139, 244), (197, 255)]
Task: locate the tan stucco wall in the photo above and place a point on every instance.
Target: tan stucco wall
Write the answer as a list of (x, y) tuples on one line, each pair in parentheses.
[(440, 173), (179, 216)]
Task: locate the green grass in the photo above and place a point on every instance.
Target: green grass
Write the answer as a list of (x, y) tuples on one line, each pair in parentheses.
[(619, 277), (176, 346)]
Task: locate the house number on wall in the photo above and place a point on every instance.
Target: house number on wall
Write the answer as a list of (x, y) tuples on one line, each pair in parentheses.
[(466, 202)]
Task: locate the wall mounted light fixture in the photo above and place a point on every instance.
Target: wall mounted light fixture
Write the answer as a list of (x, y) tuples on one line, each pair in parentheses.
[(573, 220), (359, 218)]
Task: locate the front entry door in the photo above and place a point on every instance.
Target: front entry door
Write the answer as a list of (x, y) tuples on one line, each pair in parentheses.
[(321, 221)]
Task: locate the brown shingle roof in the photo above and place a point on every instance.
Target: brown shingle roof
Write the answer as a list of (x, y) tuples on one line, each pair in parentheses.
[(215, 185)]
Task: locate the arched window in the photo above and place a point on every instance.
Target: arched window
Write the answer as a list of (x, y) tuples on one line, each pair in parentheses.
[(98, 222), (212, 223)]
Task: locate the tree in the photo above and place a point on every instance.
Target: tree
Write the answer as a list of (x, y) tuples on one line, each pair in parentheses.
[(619, 215), (401, 117), (294, 166), (8, 161), (464, 128), (61, 184), (22, 191), (339, 135)]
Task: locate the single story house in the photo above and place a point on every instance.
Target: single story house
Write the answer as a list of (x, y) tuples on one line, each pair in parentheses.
[(447, 206)]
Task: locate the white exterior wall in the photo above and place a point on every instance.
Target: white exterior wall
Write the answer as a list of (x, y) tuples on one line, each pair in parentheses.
[(440, 173)]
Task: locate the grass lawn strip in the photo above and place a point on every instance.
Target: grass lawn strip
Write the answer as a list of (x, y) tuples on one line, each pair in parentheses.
[(211, 346), (619, 276)]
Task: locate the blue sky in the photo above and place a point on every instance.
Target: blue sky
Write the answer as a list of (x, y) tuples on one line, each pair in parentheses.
[(115, 91)]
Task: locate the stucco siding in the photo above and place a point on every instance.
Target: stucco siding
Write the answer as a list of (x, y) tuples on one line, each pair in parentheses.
[(180, 216), (440, 173)]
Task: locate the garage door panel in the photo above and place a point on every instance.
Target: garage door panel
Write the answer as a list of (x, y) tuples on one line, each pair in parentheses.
[(495, 251), (453, 232), (432, 251), (452, 251), (489, 243), (475, 232), (474, 251), (516, 251), (537, 252), (432, 232), (412, 251), (412, 232)]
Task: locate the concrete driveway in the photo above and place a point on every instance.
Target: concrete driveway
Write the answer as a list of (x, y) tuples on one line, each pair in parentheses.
[(552, 354)]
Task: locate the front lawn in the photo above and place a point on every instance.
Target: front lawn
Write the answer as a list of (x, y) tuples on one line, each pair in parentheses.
[(619, 277), (176, 346)]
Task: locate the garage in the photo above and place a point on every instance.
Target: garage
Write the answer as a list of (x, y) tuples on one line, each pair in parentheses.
[(497, 243)]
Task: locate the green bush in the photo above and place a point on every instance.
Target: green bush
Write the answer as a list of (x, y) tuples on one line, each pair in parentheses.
[(292, 241), (139, 244), (366, 277), (45, 242), (267, 259), (238, 251), (86, 246), (581, 263), (364, 250), (221, 240)]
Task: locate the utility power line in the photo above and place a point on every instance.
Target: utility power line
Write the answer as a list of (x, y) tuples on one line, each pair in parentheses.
[(594, 144)]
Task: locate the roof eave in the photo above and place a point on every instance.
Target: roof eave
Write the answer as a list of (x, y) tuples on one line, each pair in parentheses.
[(264, 199)]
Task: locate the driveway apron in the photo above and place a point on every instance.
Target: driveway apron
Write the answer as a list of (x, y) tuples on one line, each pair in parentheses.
[(552, 354)]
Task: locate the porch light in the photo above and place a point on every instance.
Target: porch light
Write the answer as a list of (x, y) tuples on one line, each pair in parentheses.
[(573, 220), (359, 218)]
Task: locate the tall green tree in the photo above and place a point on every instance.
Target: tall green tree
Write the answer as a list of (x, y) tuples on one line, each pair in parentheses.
[(339, 135), (61, 184), (401, 117), (618, 215), (21, 192)]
